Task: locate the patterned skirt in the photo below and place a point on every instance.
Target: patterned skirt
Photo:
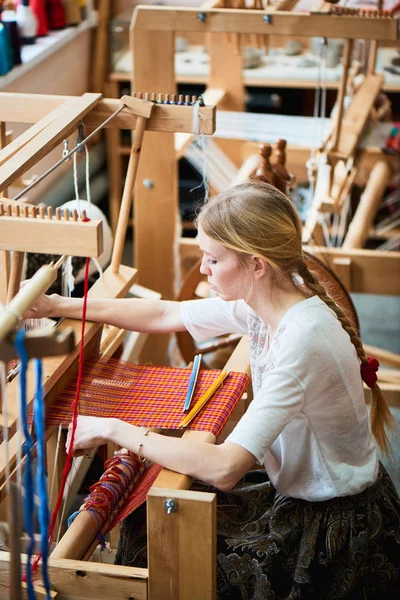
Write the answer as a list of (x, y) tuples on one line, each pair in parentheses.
[(270, 547)]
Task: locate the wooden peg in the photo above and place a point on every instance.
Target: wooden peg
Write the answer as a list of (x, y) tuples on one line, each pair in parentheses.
[(49, 212), (84, 216), (1, 210), (264, 171), (26, 212), (74, 215), (9, 210), (58, 214), (66, 214), (17, 210), (280, 166), (34, 212), (42, 212)]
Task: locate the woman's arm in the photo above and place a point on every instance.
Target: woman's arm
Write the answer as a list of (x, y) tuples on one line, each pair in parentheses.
[(222, 466), (151, 316)]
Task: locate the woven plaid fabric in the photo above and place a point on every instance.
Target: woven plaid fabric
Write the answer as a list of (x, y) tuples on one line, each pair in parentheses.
[(148, 396), (138, 495)]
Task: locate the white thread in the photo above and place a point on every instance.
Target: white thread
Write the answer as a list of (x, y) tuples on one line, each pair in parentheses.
[(202, 142), (76, 184), (67, 278)]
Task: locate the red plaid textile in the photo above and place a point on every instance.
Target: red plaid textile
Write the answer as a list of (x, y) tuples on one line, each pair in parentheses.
[(138, 495), (148, 396)]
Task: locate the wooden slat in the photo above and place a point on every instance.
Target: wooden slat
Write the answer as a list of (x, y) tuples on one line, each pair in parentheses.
[(185, 566), (166, 118), (251, 21), (356, 117), (51, 236), (57, 371), (30, 108), (46, 140), (28, 135), (74, 580), (372, 271)]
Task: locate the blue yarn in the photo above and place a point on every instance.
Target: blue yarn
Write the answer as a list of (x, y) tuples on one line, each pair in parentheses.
[(72, 518), (28, 479), (41, 478)]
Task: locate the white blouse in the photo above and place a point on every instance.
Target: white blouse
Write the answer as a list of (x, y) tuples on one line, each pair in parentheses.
[(308, 421)]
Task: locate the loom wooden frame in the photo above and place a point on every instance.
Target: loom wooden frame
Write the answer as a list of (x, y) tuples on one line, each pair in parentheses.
[(53, 118)]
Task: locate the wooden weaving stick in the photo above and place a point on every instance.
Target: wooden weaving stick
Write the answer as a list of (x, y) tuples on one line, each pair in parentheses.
[(142, 109)]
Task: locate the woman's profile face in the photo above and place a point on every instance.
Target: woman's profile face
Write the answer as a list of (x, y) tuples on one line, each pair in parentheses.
[(222, 268)]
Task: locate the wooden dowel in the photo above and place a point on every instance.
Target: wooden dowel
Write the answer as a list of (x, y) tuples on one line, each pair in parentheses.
[(15, 275), (26, 296), (126, 203), (368, 206), (348, 50), (372, 52)]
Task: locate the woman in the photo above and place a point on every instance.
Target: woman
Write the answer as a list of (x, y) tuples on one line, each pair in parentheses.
[(323, 519)]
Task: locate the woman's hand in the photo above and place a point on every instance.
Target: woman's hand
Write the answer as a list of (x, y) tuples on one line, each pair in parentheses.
[(90, 432), (44, 307)]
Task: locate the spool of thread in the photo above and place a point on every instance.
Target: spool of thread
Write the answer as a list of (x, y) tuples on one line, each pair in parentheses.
[(39, 10), (27, 22), (9, 19), (5, 47), (55, 14), (72, 13)]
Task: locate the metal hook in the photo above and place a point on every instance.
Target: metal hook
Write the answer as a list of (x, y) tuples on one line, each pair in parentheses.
[(65, 151)]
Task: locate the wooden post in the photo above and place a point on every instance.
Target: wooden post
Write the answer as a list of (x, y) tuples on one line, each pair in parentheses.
[(185, 566), (127, 197), (55, 465), (368, 206), (348, 49), (373, 50), (114, 158), (156, 194)]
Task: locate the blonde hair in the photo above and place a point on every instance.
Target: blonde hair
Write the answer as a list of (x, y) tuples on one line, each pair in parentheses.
[(257, 219)]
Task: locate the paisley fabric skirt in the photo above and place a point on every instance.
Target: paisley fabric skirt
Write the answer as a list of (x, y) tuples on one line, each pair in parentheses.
[(270, 547)]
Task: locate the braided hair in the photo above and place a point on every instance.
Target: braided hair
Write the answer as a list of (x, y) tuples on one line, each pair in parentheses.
[(257, 219)]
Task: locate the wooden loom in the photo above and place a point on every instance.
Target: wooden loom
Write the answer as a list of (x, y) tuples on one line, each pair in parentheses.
[(361, 271), (154, 29), (54, 118)]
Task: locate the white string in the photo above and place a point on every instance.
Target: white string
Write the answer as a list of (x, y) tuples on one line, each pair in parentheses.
[(202, 143), (89, 200)]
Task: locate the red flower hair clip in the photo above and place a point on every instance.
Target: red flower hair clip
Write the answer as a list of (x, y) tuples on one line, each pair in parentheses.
[(369, 370)]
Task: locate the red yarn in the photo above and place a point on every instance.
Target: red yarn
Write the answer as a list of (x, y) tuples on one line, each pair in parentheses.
[(369, 370), (68, 462)]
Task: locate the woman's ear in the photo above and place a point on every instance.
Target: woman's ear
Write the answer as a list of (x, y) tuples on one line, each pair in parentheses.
[(260, 266)]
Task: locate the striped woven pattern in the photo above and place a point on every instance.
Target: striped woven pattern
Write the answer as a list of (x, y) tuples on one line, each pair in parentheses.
[(148, 396)]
